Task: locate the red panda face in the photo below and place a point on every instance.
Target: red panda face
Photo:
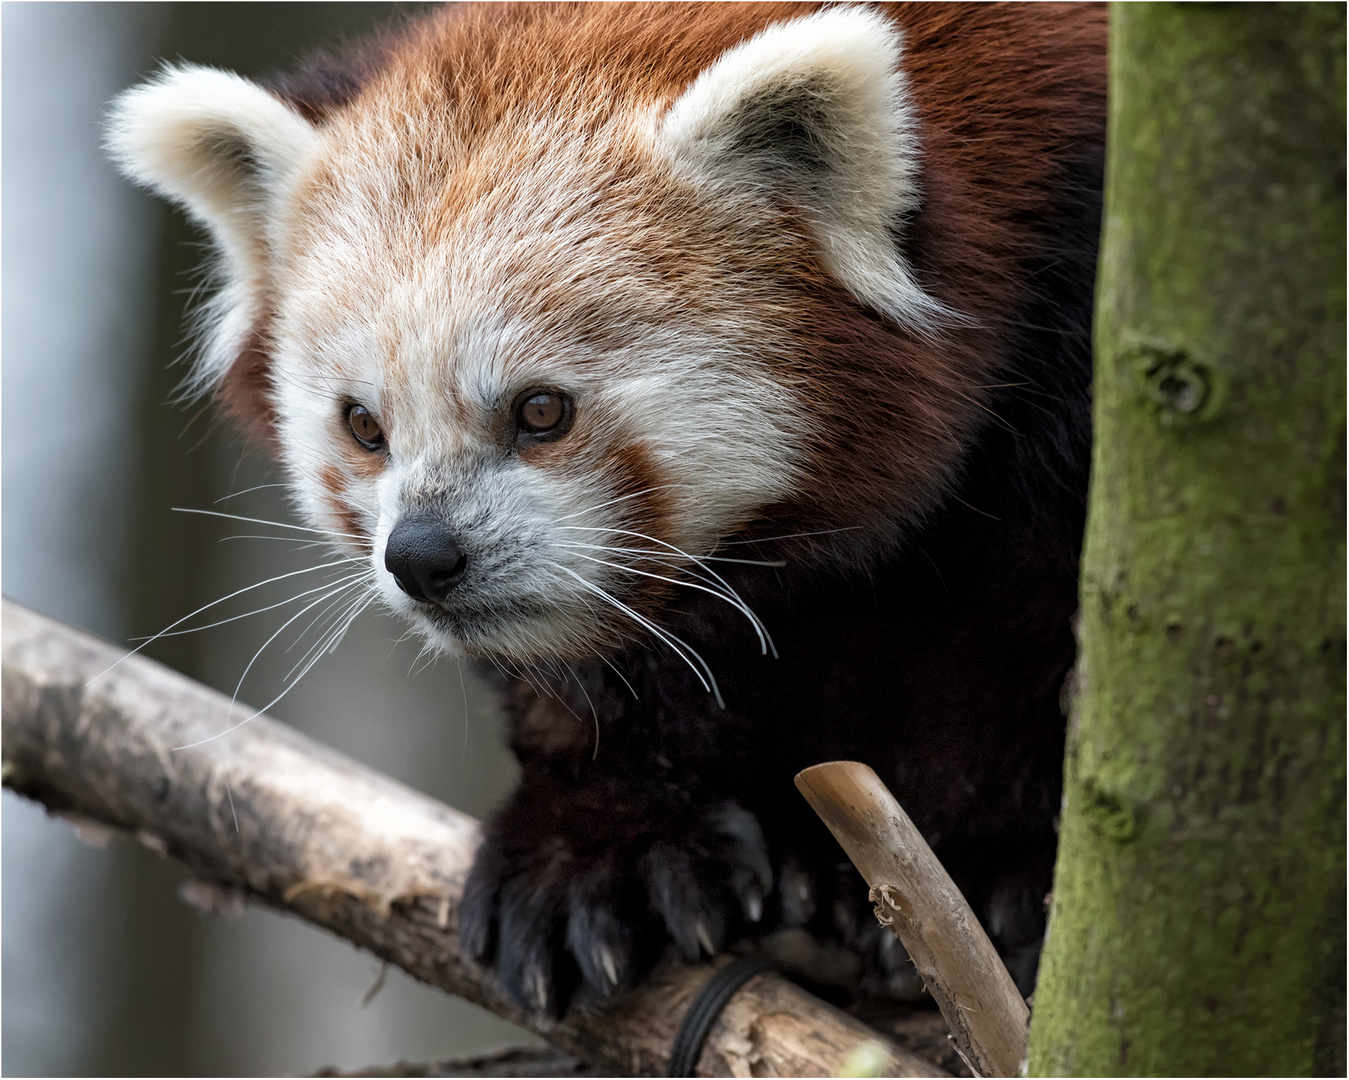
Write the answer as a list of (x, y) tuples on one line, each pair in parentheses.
[(446, 329), (537, 339)]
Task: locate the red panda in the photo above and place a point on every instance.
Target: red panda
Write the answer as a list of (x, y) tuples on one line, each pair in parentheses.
[(720, 376)]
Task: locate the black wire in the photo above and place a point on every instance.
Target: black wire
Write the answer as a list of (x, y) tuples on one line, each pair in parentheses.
[(707, 1006)]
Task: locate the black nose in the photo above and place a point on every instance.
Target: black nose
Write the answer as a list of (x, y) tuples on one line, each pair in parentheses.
[(424, 559)]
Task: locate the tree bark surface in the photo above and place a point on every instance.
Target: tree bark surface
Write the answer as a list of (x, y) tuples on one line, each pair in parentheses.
[(1198, 916), (251, 805)]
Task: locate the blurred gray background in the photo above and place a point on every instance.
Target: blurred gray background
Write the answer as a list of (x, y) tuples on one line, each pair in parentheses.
[(105, 971)]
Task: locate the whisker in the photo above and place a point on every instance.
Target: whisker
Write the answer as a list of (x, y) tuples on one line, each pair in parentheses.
[(428, 657), (336, 599), (619, 499), (421, 651), (213, 603), (337, 632), (264, 521), (709, 683), (550, 679), (463, 692), (334, 639), (777, 563), (399, 640), (235, 618), (234, 727), (693, 558), (508, 669), (739, 605), (788, 536), (300, 542), (236, 494), (614, 668), (261, 649), (335, 589), (595, 754)]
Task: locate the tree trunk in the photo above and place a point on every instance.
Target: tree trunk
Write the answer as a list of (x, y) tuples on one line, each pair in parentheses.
[(1198, 915)]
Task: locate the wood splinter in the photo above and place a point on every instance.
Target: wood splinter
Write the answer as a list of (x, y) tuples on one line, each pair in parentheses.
[(920, 904)]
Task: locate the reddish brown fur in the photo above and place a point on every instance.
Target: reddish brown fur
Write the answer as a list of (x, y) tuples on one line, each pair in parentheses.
[(950, 687), (245, 393), (548, 726), (350, 520), (998, 105), (333, 482), (641, 491), (361, 463)]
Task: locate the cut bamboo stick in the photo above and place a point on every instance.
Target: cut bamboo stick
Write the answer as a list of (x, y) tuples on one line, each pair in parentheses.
[(916, 898)]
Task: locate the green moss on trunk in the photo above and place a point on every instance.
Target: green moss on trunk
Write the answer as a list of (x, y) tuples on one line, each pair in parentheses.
[(1198, 919)]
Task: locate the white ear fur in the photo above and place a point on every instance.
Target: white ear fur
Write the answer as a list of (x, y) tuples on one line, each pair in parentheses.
[(815, 109), (227, 151)]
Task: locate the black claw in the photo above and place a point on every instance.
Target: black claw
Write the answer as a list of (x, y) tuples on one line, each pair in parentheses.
[(752, 901), (602, 945), (531, 962), (696, 926), (749, 851), (751, 876), (530, 982), (598, 922), (537, 987), (538, 977)]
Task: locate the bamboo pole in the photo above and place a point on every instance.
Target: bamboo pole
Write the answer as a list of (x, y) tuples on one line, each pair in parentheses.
[(918, 901)]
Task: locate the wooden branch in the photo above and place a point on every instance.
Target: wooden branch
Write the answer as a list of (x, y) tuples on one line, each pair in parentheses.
[(918, 901), (513, 1061), (303, 829)]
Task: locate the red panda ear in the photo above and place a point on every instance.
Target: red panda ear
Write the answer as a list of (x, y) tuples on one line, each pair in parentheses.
[(815, 110), (228, 152)]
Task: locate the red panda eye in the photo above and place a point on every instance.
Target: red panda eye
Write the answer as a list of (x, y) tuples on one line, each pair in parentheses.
[(543, 414), (364, 427)]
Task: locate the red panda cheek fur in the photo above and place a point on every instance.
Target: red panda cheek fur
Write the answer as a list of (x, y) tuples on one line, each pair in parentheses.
[(246, 393), (916, 567)]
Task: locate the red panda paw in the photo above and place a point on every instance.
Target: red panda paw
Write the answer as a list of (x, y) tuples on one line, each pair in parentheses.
[(588, 916)]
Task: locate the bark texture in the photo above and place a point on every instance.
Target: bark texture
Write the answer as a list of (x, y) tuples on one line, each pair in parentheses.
[(1198, 915), (272, 815)]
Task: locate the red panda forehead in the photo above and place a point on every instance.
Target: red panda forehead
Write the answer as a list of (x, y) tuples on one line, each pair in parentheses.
[(520, 140), (481, 63), (408, 177), (471, 83), (559, 261)]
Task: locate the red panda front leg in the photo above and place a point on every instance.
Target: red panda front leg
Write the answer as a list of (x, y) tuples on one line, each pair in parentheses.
[(587, 884)]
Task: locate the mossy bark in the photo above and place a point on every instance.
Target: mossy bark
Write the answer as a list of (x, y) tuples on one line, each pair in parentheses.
[(1198, 914)]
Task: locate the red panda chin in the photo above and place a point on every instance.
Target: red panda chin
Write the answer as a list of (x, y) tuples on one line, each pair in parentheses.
[(801, 295)]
